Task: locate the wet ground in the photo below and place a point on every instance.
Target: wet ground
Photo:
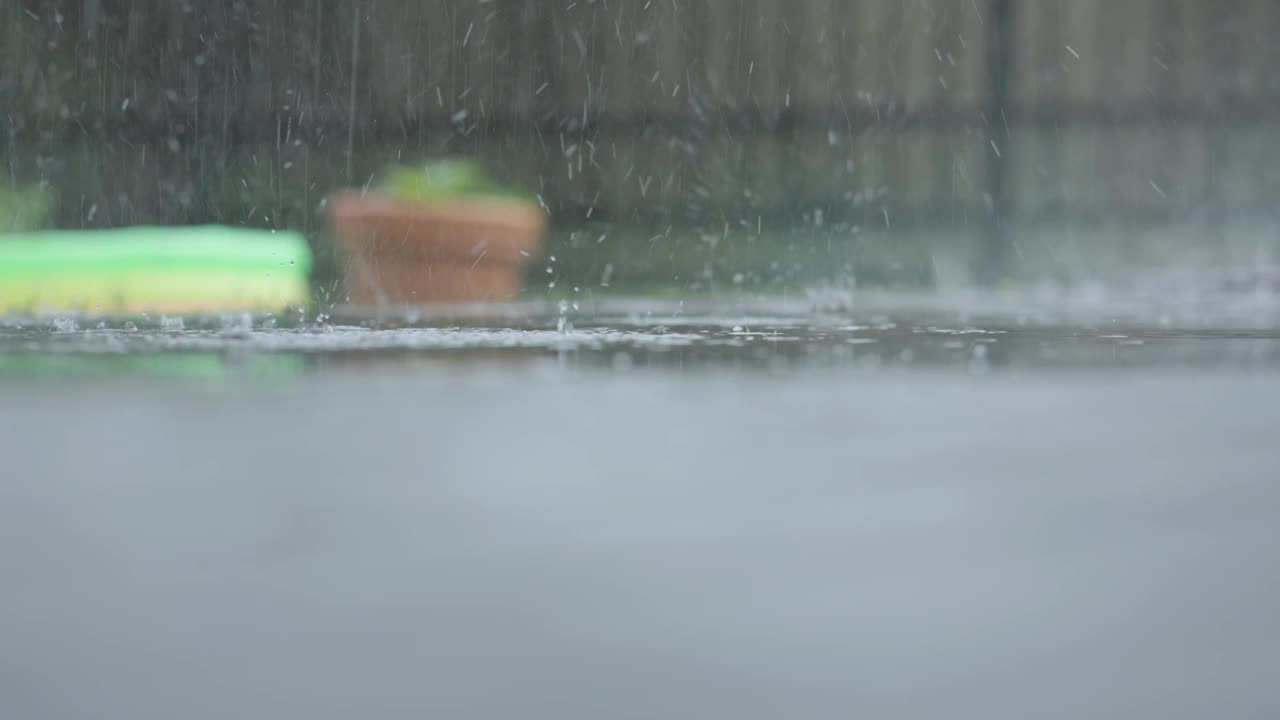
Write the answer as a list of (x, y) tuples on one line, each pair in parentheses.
[(780, 337), (661, 510)]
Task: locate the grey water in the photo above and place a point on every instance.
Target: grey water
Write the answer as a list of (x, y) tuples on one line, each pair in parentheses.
[(663, 516)]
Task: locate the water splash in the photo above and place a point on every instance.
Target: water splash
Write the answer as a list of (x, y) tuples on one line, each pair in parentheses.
[(65, 324), (172, 324), (237, 325), (564, 325)]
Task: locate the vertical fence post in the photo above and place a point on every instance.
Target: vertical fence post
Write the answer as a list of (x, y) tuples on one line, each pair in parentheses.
[(356, 9), (10, 54), (993, 262)]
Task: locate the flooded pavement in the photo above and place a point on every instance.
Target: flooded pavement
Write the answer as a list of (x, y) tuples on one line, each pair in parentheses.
[(670, 514), (760, 345), (777, 336)]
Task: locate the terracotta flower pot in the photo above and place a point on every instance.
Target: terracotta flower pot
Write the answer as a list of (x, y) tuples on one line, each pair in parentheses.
[(457, 251)]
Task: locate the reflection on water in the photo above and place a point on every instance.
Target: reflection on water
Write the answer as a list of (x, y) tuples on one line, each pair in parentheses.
[(193, 365), (646, 336)]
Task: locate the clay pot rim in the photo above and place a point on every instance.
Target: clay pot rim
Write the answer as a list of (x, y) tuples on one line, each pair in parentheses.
[(492, 212)]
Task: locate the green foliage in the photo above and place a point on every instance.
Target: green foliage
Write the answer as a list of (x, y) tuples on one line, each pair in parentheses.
[(23, 208), (444, 180)]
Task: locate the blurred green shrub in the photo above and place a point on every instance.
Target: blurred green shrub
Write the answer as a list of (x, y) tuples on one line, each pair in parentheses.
[(23, 208), (446, 179)]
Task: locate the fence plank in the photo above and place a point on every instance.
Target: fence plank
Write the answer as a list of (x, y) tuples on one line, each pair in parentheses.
[(680, 109)]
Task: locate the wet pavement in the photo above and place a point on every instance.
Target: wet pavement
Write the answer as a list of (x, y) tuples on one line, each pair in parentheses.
[(779, 337), (673, 511)]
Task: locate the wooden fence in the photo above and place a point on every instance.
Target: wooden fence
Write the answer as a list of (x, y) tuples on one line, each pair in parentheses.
[(896, 114)]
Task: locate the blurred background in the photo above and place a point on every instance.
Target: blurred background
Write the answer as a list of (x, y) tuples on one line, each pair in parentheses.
[(722, 500), (680, 145)]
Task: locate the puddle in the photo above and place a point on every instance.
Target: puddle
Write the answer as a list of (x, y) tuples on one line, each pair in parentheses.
[(583, 509), (670, 339)]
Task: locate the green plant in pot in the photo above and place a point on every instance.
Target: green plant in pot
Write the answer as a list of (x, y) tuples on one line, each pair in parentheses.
[(442, 232)]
